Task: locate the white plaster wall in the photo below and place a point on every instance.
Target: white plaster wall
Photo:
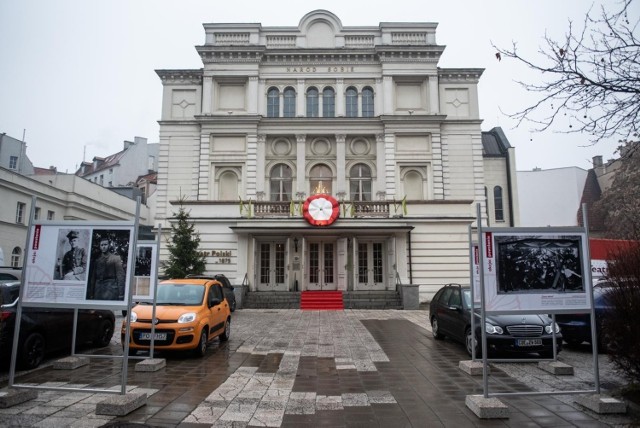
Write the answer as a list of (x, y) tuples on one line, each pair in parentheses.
[(550, 197)]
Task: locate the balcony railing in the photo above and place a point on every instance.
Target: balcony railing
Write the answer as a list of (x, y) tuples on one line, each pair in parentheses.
[(293, 209)]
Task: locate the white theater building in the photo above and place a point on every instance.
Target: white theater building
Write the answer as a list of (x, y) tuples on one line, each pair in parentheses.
[(362, 114)]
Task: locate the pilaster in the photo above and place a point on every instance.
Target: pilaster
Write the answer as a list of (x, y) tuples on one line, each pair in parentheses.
[(252, 162), (390, 165), (205, 167), (301, 147), (434, 103), (300, 98), (387, 88), (341, 162), (260, 165), (207, 93), (254, 94), (340, 98)]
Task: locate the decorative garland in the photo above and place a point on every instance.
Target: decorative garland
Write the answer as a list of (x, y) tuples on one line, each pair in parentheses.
[(321, 210)]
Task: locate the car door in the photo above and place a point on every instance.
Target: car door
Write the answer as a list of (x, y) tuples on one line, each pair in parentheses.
[(217, 303), (442, 311), (457, 320)]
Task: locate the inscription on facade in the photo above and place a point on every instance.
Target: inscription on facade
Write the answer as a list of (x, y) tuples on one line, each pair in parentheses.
[(224, 257), (334, 69)]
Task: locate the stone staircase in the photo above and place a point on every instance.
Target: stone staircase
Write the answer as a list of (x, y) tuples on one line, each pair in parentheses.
[(386, 299)]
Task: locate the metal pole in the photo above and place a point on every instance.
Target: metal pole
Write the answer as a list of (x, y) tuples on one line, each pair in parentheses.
[(589, 285), (16, 328), (483, 317), (74, 331), (155, 291), (471, 277), (132, 248)]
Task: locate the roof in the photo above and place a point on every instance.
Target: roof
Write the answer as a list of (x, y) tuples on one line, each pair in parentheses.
[(99, 164), (495, 143)]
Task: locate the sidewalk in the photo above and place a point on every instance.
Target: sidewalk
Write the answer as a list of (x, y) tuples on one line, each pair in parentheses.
[(294, 368)]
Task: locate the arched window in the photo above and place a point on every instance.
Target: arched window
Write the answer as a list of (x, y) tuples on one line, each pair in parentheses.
[(228, 186), (360, 182), (281, 183), (289, 103), (413, 188), (312, 102), (497, 203), (352, 102), (328, 103), (367, 102), (273, 102), (320, 179), (16, 257)]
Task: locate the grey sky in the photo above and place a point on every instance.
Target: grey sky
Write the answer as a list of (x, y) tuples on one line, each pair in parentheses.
[(79, 76)]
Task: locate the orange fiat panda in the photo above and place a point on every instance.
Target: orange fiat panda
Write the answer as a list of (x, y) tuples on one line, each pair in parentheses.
[(189, 314)]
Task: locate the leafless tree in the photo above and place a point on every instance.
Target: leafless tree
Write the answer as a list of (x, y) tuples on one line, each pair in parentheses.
[(592, 76)]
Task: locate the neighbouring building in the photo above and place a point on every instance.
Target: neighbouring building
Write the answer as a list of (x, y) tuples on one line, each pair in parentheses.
[(364, 115), (58, 197), (122, 169), (13, 155)]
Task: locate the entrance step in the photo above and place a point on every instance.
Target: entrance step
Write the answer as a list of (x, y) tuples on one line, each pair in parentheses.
[(321, 300), (370, 299)]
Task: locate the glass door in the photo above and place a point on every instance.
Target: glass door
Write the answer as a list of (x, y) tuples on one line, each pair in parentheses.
[(271, 266), (370, 266), (321, 266)]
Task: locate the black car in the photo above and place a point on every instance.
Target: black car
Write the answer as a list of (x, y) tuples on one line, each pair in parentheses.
[(227, 288), (576, 328), (47, 330), (450, 316)]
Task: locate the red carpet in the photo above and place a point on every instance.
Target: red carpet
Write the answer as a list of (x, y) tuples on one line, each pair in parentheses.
[(321, 300)]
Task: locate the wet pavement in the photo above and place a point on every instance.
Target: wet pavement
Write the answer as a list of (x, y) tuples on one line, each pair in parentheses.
[(292, 368)]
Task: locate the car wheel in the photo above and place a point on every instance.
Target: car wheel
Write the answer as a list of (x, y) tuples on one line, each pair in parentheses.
[(32, 351), (435, 329), (201, 350), (226, 334), (471, 342), (103, 334)]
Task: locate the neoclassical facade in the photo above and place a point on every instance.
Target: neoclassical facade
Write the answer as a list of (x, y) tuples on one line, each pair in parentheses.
[(361, 114)]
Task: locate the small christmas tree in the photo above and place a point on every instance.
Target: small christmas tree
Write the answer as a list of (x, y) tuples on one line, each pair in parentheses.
[(184, 258)]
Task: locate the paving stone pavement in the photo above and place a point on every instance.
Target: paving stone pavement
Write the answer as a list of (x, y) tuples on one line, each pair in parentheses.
[(291, 368)]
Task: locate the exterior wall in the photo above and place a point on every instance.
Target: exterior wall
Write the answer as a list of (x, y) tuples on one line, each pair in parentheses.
[(11, 147), (69, 198), (550, 197), (424, 138)]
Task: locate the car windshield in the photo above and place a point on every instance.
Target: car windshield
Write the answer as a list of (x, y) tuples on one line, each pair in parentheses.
[(466, 294), (180, 294)]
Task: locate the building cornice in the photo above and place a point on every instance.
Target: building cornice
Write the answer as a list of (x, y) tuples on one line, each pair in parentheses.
[(453, 75), (184, 76)]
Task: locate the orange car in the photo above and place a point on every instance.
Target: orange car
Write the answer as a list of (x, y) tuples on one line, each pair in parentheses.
[(189, 313)]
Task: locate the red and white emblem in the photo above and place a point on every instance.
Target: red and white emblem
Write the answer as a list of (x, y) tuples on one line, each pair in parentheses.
[(321, 210)]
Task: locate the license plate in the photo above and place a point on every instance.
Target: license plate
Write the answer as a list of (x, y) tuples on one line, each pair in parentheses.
[(528, 342), (158, 336)]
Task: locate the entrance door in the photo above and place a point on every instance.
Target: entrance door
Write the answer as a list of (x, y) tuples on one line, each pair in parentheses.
[(271, 266), (322, 260), (371, 266)]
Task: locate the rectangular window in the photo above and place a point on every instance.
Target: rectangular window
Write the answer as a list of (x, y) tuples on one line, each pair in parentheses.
[(51, 215), (20, 209), (36, 214), (13, 162), (101, 179)]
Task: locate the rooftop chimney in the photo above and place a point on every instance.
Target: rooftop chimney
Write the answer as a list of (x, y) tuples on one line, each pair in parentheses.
[(597, 161)]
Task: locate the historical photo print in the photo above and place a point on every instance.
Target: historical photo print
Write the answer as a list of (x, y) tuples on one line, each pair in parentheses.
[(536, 264), (143, 269), (72, 255), (107, 269)]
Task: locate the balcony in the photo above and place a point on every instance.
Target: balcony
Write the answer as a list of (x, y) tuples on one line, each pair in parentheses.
[(293, 209)]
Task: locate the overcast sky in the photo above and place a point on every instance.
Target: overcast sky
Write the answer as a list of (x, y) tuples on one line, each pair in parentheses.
[(77, 77)]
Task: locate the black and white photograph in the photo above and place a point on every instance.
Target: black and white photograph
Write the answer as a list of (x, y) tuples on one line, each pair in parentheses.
[(539, 265), (145, 271), (108, 265), (72, 255)]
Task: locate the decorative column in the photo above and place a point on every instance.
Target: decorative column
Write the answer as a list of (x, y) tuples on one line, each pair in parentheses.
[(262, 98), (380, 164), (341, 163), (251, 179), (300, 99), (252, 107), (434, 105), (207, 93), (281, 104), (359, 106), (206, 186), (339, 97), (301, 147), (379, 98), (320, 104), (260, 164)]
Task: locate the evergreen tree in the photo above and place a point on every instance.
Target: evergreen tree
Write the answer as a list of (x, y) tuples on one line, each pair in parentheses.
[(184, 258)]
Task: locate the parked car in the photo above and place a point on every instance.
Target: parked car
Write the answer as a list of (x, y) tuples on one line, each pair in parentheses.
[(576, 328), (227, 288), (10, 273), (450, 316), (47, 330), (190, 313)]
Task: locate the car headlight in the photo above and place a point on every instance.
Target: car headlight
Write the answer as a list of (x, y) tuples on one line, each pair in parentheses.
[(187, 318), (493, 329), (133, 317), (548, 328)]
